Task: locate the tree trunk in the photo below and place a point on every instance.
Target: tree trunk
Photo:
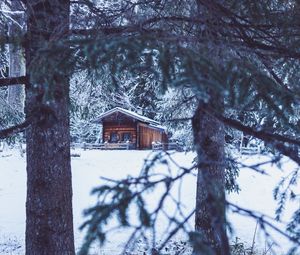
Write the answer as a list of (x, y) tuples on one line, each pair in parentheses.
[(16, 59), (209, 141), (210, 221), (49, 219)]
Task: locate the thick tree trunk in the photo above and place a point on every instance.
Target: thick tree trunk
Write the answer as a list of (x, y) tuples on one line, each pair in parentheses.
[(16, 59), (209, 141), (210, 221), (49, 220)]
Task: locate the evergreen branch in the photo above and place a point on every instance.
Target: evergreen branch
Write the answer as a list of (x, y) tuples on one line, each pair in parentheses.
[(176, 230), (261, 220), (112, 30), (4, 133), (249, 42), (266, 136), (272, 72), (275, 140), (279, 50), (104, 30), (13, 81), (254, 30)]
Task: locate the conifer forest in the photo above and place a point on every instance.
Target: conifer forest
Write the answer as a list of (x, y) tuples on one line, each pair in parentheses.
[(150, 127)]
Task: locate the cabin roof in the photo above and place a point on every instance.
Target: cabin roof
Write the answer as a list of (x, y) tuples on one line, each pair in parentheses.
[(131, 114)]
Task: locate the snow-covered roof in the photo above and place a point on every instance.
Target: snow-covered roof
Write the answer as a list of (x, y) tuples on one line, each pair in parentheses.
[(134, 115)]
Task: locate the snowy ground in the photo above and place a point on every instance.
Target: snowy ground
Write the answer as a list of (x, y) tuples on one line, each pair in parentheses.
[(256, 193)]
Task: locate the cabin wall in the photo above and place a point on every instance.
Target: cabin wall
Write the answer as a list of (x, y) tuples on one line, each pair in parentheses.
[(120, 129), (117, 127), (147, 135)]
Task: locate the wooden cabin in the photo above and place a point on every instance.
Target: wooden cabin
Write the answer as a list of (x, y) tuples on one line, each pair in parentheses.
[(122, 127)]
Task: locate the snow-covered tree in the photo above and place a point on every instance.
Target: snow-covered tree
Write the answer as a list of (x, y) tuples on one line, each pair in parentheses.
[(232, 57)]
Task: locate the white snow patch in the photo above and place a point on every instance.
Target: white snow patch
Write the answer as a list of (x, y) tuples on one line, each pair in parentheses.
[(256, 194)]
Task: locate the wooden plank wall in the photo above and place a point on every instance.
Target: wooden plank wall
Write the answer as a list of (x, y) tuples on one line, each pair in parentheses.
[(142, 135), (148, 135)]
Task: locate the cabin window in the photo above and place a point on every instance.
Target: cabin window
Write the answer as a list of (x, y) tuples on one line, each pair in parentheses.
[(126, 137), (114, 137)]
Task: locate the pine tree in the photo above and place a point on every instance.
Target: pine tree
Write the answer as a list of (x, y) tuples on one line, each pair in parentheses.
[(226, 66), (49, 221), (240, 56)]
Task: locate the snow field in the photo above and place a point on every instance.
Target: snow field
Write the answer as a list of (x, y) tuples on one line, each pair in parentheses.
[(256, 193)]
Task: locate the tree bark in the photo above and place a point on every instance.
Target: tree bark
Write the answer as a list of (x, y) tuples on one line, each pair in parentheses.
[(209, 142), (16, 59), (49, 219), (210, 221)]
